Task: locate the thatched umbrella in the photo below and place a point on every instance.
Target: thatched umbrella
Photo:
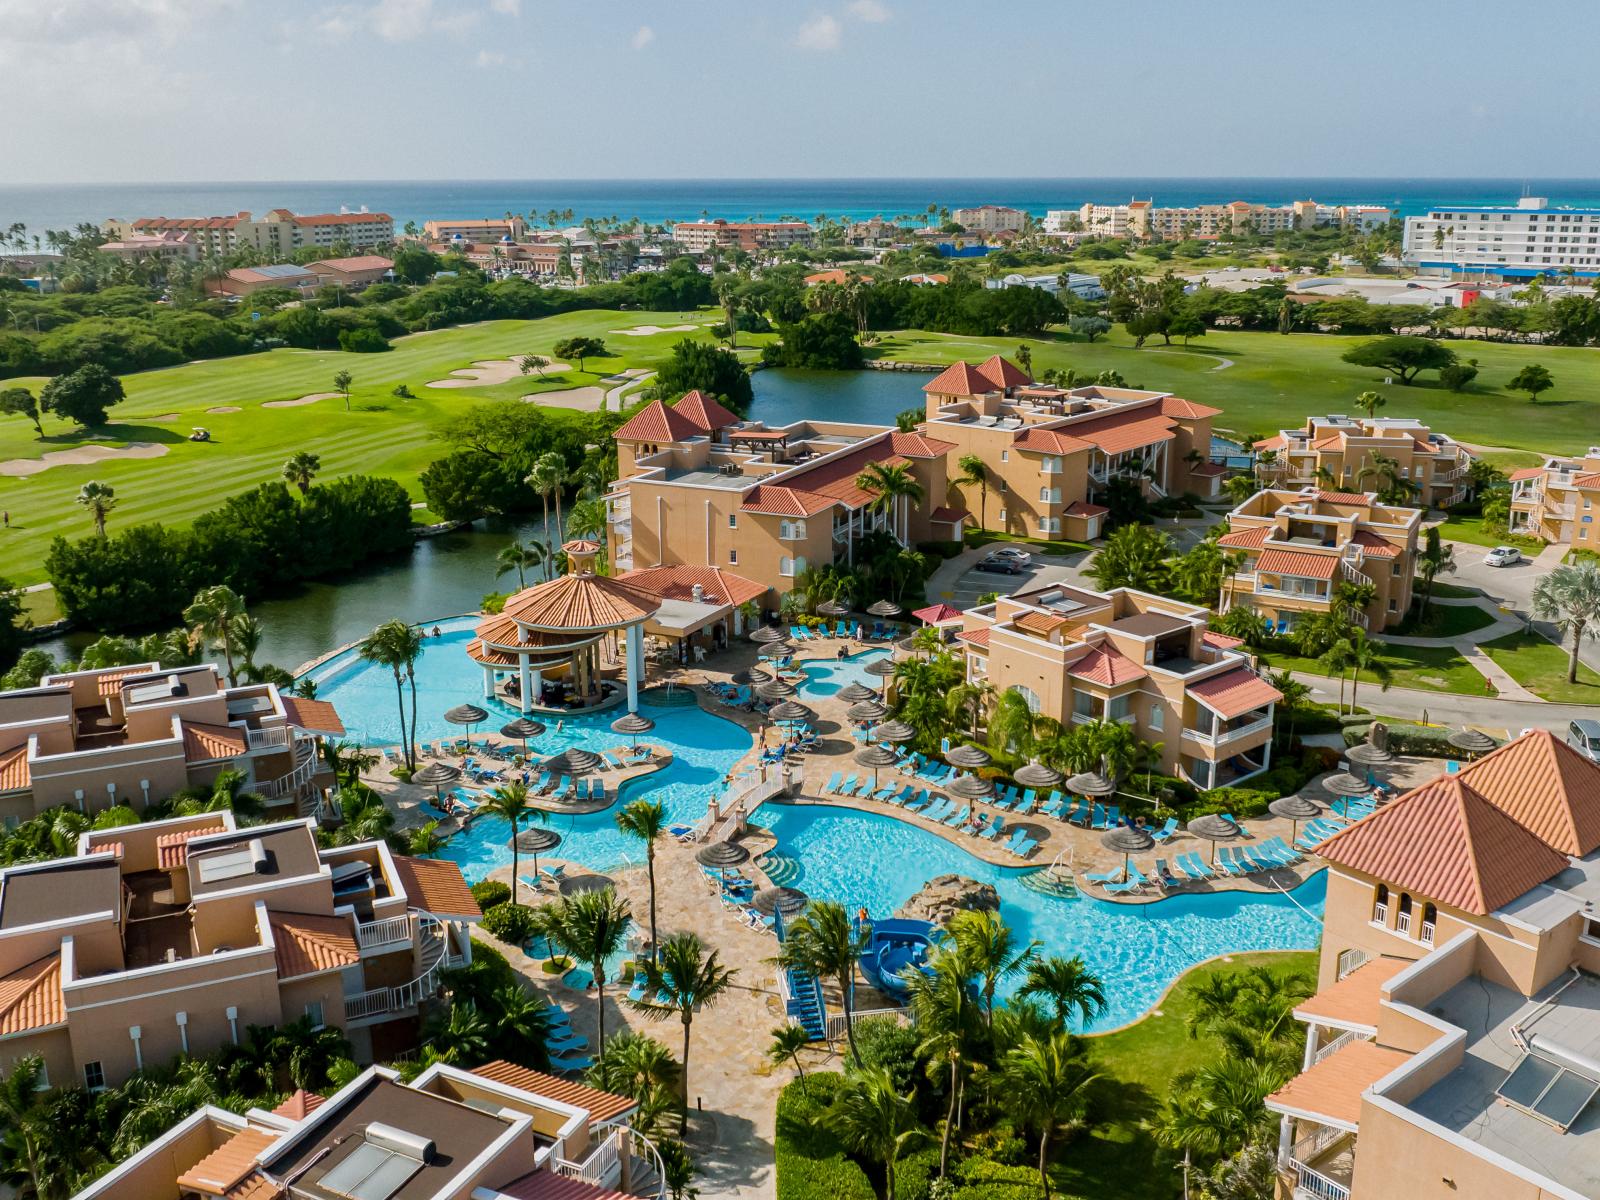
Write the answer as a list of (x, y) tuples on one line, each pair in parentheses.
[(832, 608), (971, 787), (895, 732), (767, 633), (790, 710), (436, 775), (573, 761), (1128, 840), (1368, 755), (468, 715), (750, 675), (1091, 784), (776, 650), (852, 693), (522, 729), (1214, 827), (632, 725), (1036, 775), (885, 608), (577, 885), (536, 841), (876, 757), (775, 689), (1296, 809), (1346, 786), (722, 855), (867, 710), (1473, 741), (785, 900), (881, 667), (968, 756)]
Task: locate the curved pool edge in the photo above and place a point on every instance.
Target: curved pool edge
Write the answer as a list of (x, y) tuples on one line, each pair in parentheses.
[(1176, 980), (325, 658)]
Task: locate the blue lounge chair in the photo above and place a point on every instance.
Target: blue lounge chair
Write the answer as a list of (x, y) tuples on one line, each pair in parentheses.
[(877, 631), (597, 790), (799, 634), (1024, 847), (1018, 836), (611, 760), (841, 629), (918, 802), (544, 782), (581, 790), (1163, 877), (1164, 834), (1102, 876), (833, 783), (1113, 816), (567, 1042), (939, 811), (1029, 799), (1451, 766), (992, 830), (1054, 806), (1122, 889), (958, 817), (1100, 820), (1234, 862), (1192, 865), (901, 798), (564, 789), (842, 789), (573, 1065)]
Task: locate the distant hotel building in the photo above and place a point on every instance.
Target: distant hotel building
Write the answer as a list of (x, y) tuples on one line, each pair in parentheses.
[(1519, 242), (514, 228), (700, 236), (989, 218), (1559, 500), (1340, 451), (277, 233), (1142, 219)]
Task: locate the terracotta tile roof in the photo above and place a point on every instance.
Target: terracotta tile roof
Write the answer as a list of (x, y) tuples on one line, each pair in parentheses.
[(1587, 481), (30, 997), (704, 413), (308, 944), (1038, 623), (114, 849), (15, 774), (1082, 508), (359, 262), (300, 1105), (1049, 441), (1234, 693), (1330, 1091), (936, 613), (110, 683), (1353, 1002), (1119, 432), (1526, 473), (1220, 641), (977, 637), (916, 445), (601, 1106), (1272, 443), (837, 478), (774, 500), (1106, 666), (498, 630), (947, 515), (1375, 546), (1445, 842), (436, 886), (1245, 539), (172, 849), (580, 602), (1208, 468), (960, 379), (1334, 441), (1345, 498), (315, 716), (204, 743), (678, 582), (547, 1185), (1544, 784), (655, 422), (1298, 563), (1004, 372), (494, 658), (254, 1186), (1186, 410), (581, 546), (229, 1163)]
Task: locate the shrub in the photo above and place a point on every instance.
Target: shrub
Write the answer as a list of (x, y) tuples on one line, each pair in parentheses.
[(494, 602), (1241, 802), (363, 339), (885, 1042), (985, 1179), (1426, 740), (915, 1172), (812, 1165), (510, 923), (490, 893)]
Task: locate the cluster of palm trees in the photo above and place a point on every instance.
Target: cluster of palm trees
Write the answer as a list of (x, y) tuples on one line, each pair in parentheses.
[(1019, 1062), (397, 645)]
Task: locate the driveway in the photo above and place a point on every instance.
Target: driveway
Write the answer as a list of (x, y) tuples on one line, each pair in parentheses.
[(956, 581), (1512, 587)]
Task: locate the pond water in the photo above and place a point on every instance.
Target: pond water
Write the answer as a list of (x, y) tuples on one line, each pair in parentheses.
[(868, 397)]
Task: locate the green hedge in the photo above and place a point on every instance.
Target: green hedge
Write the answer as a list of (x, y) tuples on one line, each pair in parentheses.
[(914, 1174), (812, 1165), (490, 892), (984, 1179), (1430, 741)]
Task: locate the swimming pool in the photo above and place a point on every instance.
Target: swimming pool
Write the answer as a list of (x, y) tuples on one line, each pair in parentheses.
[(825, 676), (878, 862)]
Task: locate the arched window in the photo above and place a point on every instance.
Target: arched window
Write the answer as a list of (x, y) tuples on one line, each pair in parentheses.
[(1430, 918), (1380, 905), (1030, 697), (1402, 921)]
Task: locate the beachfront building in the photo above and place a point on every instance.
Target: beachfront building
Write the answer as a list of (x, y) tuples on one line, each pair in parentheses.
[(174, 937), (1342, 452), (245, 281), (276, 234), (497, 1132), (508, 228), (700, 236), (139, 734), (1050, 452), (1147, 661), (697, 486), (1559, 500), (1144, 219), (353, 273), (990, 218), (1299, 546), (1453, 1049), (1523, 241)]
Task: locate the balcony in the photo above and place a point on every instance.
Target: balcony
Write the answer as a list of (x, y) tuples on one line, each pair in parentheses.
[(1217, 739), (267, 739), (385, 935)]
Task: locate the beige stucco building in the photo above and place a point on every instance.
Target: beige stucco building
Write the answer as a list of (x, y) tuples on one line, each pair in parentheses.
[(1299, 546), (277, 233), (1453, 1048), (1559, 500), (1339, 452)]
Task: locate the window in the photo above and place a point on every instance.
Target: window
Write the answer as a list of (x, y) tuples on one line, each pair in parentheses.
[(1030, 697), (733, 558), (94, 1076), (1005, 456), (733, 520), (1051, 464), (1158, 718), (1380, 905), (789, 567), (1119, 708), (1402, 921), (792, 531), (1049, 524), (314, 1013), (1430, 918)]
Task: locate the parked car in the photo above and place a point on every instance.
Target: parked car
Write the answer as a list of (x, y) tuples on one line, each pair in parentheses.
[(1502, 556), (1021, 557), (996, 565), (1584, 736)]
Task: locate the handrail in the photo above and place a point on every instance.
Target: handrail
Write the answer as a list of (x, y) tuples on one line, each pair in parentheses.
[(384, 931), (1316, 1184), (436, 957), (1338, 1044)]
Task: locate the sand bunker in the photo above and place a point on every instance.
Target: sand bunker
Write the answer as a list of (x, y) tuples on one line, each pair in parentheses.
[(589, 399), (647, 330), (83, 456), (222, 408), (311, 399), (492, 371)]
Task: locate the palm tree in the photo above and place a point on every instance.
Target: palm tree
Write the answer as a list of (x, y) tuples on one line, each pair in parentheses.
[(947, 1017), (894, 488), (549, 475), (680, 978), (1370, 403), (787, 1042), (396, 645), (1068, 985), (1436, 559), (301, 469), (425, 840), (990, 948), (212, 617), (510, 800), (99, 499), (30, 1134), (587, 518), (521, 558), (1365, 655), (591, 928), (824, 941), (1337, 658), (1045, 1083), (462, 1036), (647, 821), (975, 473), (872, 1119), (1569, 598)]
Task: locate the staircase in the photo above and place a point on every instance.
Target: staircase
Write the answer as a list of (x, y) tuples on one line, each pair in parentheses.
[(433, 954), (1058, 880), (782, 869), (804, 1004)]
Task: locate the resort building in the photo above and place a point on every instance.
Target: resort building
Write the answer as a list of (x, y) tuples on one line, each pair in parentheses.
[(136, 735), (174, 937), (1050, 452), (1299, 546), (1143, 219), (989, 218), (142, 247), (353, 273), (498, 1132), (508, 258), (276, 234), (700, 236), (245, 281), (512, 228), (697, 486), (1523, 241), (1343, 452), (1559, 500), (1147, 661), (1453, 1049)]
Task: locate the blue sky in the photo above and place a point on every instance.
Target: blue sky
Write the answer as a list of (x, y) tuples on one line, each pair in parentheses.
[(145, 90)]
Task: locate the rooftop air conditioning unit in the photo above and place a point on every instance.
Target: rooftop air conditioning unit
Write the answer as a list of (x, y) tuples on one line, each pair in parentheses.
[(400, 1141)]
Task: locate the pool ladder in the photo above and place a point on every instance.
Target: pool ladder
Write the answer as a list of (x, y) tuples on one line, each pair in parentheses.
[(1059, 879)]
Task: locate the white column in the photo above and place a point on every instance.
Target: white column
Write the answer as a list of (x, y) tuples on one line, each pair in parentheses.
[(538, 685), (523, 682), (635, 661), (488, 682)]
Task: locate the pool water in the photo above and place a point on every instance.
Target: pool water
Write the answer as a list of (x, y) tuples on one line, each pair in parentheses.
[(878, 862), (825, 676)]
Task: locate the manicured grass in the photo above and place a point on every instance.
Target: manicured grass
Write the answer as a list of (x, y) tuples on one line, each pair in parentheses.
[(1431, 668), (1541, 666), (1445, 621), (1121, 1158), (380, 435), (1471, 531), (41, 607), (985, 537), (1454, 591)]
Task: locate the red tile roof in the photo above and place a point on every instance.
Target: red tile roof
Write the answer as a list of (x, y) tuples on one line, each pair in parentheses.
[(1587, 481), (436, 886), (580, 602), (1107, 666), (977, 637), (547, 1185), (1082, 508), (228, 1164), (1298, 563), (300, 1105), (30, 997), (777, 501), (837, 477), (960, 379), (172, 849), (1544, 784), (315, 716), (1526, 473), (15, 775), (601, 1106), (1272, 443), (946, 515), (1038, 623), (916, 445), (307, 944), (1331, 1089), (1445, 842), (1118, 432), (1245, 539), (1208, 468), (678, 583), (1186, 410), (205, 743), (655, 422), (496, 658), (109, 683), (359, 262), (1344, 498), (703, 412), (1004, 372), (1220, 641), (1049, 441), (935, 613), (1375, 546), (1234, 693), (1356, 999)]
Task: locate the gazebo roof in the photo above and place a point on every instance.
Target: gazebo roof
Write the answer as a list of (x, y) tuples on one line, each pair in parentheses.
[(579, 602)]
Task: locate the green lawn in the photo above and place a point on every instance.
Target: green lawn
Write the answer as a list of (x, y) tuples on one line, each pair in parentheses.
[(983, 537), (1120, 1158), (1470, 530), (1541, 666), (1454, 591), (1445, 621), (380, 435), (1430, 668)]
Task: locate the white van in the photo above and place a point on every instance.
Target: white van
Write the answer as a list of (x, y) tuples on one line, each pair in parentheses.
[(1584, 737)]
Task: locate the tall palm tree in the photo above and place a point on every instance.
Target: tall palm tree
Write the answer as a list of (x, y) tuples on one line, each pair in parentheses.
[(301, 469), (29, 1131), (874, 1120), (948, 1019), (99, 499), (680, 978), (520, 557), (587, 518), (1045, 1083), (1365, 655), (396, 645), (212, 617), (991, 949), (591, 928), (510, 800), (1337, 658), (824, 941), (1068, 985), (894, 489), (1435, 559), (975, 473), (549, 475), (647, 821), (787, 1043), (1569, 598)]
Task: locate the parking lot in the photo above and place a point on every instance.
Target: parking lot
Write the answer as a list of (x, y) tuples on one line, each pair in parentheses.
[(959, 582)]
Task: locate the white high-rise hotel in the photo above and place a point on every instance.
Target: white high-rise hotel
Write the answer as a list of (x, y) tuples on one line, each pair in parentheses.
[(1521, 242)]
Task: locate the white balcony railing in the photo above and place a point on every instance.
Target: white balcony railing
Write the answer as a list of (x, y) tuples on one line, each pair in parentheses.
[(264, 739), (372, 1003), (384, 932), (1228, 736), (1333, 1047), (1315, 1185), (1425, 934), (1380, 914), (602, 1168), (1349, 960), (1402, 922)]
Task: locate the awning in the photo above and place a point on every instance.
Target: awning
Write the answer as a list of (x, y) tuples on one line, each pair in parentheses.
[(1330, 1091), (1234, 693), (680, 618), (1354, 1002)]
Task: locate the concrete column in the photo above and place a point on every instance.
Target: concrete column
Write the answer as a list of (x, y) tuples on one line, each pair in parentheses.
[(635, 661), (524, 682), (488, 682)]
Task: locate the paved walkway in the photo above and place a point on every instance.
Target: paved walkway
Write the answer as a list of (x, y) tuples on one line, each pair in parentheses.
[(1508, 687), (1445, 708)]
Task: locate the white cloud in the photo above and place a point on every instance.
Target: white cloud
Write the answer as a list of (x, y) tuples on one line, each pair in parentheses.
[(489, 58), (874, 12), (506, 8), (393, 20), (821, 32), (642, 37)]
